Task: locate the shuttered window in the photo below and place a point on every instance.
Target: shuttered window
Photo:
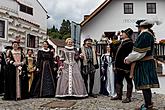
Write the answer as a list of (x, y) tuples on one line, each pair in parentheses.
[(128, 8), (2, 29), (151, 8), (31, 41), (26, 9)]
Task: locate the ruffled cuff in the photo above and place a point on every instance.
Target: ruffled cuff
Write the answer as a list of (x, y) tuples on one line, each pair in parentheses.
[(11, 61)]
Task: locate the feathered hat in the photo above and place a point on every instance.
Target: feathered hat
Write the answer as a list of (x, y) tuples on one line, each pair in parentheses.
[(148, 23)]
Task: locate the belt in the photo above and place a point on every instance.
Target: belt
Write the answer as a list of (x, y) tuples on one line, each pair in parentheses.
[(147, 58)]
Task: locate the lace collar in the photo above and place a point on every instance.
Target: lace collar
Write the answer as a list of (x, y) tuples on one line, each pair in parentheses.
[(69, 47), (45, 50)]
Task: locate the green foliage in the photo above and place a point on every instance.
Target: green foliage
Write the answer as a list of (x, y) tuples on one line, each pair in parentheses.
[(65, 27), (64, 31), (55, 35), (68, 35)]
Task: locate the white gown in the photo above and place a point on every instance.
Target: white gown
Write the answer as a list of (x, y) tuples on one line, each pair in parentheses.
[(110, 83)]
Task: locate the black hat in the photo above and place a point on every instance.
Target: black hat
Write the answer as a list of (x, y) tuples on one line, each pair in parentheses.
[(144, 23), (87, 39), (128, 31), (138, 22), (8, 47)]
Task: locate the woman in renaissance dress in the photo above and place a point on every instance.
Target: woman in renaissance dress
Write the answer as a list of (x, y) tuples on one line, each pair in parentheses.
[(30, 61), (107, 74), (43, 83), (16, 78), (70, 81)]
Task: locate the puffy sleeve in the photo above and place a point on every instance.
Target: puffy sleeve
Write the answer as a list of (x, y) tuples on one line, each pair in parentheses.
[(52, 60), (38, 64), (9, 59), (23, 58), (76, 55), (143, 43), (62, 57), (34, 61), (134, 56), (141, 46), (102, 60), (2, 59)]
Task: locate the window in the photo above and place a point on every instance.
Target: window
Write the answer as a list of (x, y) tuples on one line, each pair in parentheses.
[(26, 9), (128, 8), (60, 52), (37, 42), (31, 41), (2, 29), (151, 8)]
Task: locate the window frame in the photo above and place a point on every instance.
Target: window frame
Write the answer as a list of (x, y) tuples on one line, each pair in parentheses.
[(151, 8), (26, 9), (128, 8), (29, 40), (5, 29)]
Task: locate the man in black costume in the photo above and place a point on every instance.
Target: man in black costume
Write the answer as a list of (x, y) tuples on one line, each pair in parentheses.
[(123, 70)]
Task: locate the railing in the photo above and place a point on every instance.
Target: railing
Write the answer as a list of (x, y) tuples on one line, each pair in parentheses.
[(160, 56), (160, 52)]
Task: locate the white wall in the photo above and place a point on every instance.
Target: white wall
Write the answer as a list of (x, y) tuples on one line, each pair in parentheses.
[(54, 46), (9, 4), (9, 12), (39, 15), (112, 18)]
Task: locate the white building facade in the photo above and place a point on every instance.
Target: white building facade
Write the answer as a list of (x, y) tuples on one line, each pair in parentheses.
[(116, 15), (23, 19)]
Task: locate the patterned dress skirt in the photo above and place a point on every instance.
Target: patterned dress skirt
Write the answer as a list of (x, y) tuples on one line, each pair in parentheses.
[(145, 75), (70, 82)]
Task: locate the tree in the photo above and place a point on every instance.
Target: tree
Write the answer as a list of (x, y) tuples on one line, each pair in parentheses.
[(64, 31), (65, 28), (54, 33)]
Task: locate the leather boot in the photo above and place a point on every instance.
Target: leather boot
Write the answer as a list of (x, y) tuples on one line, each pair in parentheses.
[(127, 100), (116, 98)]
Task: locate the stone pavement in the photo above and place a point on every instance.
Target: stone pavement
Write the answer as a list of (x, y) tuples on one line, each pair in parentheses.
[(99, 103)]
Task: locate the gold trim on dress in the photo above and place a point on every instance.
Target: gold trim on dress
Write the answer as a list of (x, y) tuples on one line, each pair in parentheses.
[(148, 86), (141, 50)]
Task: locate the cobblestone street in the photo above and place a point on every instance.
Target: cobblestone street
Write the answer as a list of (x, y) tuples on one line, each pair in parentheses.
[(100, 103)]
